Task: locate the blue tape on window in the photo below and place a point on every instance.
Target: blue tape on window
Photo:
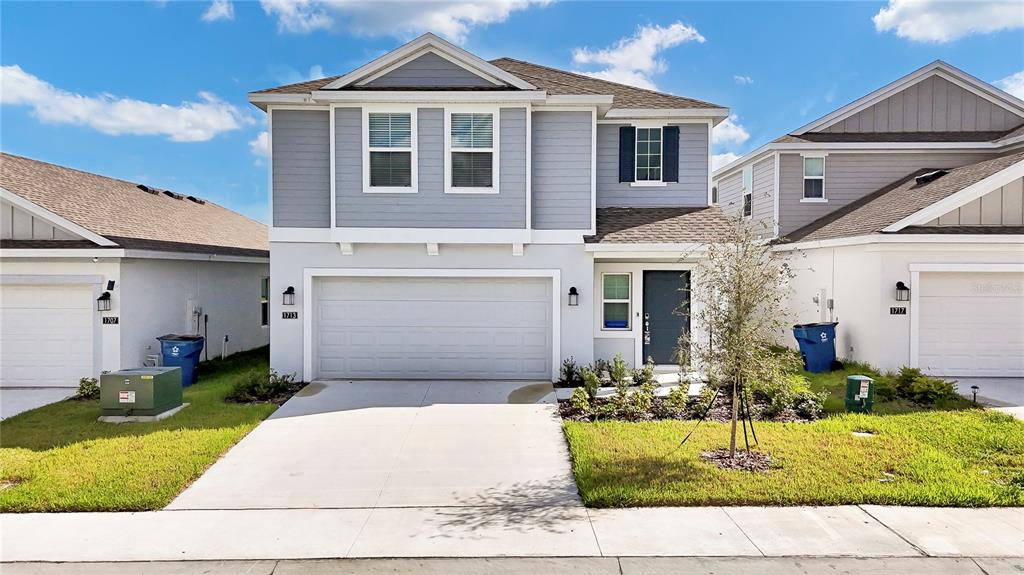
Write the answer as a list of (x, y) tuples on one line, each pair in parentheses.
[(616, 323)]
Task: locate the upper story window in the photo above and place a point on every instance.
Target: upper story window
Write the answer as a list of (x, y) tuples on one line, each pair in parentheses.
[(390, 160), (714, 194), (472, 153), (814, 178), (648, 154), (748, 191)]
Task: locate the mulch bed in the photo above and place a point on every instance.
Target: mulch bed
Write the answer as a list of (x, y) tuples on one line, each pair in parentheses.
[(753, 461)]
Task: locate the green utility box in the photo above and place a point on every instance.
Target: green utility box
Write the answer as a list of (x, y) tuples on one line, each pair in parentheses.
[(140, 391), (860, 393)]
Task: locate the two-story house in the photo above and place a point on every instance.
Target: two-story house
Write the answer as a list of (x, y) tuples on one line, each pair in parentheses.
[(436, 215), (904, 211)]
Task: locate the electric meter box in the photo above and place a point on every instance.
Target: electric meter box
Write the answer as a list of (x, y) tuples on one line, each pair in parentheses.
[(140, 391)]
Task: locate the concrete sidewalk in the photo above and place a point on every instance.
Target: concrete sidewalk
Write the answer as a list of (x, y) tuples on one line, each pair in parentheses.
[(569, 531)]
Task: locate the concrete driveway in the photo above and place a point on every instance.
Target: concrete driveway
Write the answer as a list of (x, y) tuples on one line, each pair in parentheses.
[(373, 444), (15, 400)]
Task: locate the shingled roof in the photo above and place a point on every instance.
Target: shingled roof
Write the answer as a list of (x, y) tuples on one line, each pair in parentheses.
[(660, 226), (129, 216), (874, 212), (551, 80)]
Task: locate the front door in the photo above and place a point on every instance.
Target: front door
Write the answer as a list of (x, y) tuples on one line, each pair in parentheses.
[(666, 313)]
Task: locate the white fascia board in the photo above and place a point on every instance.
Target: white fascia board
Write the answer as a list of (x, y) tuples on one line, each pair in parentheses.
[(61, 253), (936, 68), (577, 100), (430, 235), (958, 199), (971, 268), (626, 113), (903, 239), (559, 236), (660, 249), (511, 96), (470, 61), (58, 221), (160, 255), (262, 100), (301, 235)]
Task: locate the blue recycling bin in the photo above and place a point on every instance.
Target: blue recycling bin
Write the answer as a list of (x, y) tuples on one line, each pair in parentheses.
[(182, 351), (817, 345)]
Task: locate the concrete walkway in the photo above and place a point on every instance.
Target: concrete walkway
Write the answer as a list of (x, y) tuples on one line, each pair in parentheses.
[(15, 400), (514, 531)]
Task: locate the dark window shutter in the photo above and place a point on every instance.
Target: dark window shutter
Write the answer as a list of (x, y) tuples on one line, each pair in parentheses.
[(670, 154), (627, 154)]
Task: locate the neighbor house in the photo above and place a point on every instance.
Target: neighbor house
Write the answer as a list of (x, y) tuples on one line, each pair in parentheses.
[(904, 214), (93, 269), (436, 215)]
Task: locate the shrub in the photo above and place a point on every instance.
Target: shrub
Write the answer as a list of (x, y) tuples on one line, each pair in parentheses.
[(644, 374), (591, 382), (809, 405), (640, 401), (88, 388), (261, 385), (603, 369), (580, 401), (570, 374), (619, 371), (789, 393), (913, 385)]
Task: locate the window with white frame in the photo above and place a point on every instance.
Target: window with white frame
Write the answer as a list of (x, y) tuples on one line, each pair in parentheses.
[(714, 194), (264, 301), (390, 140), (814, 178), (471, 152), (648, 154), (615, 300), (748, 191)]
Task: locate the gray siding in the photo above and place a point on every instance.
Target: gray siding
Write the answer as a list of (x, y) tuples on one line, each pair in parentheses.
[(762, 198), (730, 193), (691, 190), (561, 170), (932, 105), (301, 169), (431, 207), (1001, 207), (429, 70), (849, 177)]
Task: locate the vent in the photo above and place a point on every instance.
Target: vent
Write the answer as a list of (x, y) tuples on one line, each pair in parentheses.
[(171, 194), (148, 189), (930, 176), (199, 201)]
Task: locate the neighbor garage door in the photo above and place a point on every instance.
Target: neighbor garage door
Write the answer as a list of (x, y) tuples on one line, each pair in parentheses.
[(972, 324), (431, 328), (46, 335)]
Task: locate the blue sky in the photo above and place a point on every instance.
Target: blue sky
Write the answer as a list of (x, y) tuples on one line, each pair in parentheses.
[(155, 92)]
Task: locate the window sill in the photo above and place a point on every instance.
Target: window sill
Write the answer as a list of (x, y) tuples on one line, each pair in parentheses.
[(648, 184), (490, 191), (813, 200), (389, 190)]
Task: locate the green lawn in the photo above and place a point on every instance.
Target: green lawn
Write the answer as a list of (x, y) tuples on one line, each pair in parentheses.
[(59, 458), (835, 383)]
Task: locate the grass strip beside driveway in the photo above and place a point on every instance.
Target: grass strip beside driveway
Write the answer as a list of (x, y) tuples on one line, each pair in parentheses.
[(939, 458), (60, 458)]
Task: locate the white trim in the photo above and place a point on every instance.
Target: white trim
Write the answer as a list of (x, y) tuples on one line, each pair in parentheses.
[(190, 256), (936, 68), (593, 172), (558, 236), (420, 53), (264, 99), (964, 196), (310, 273), (413, 149), (711, 182), (747, 192), (813, 200), (40, 212), (777, 193), (454, 53), (637, 182), (970, 268), (270, 163), (803, 167), (43, 279), (647, 183), (915, 319), (311, 235), (61, 253), (333, 175), (625, 113), (495, 113), (648, 250), (577, 99), (628, 300), (903, 239), (431, 235), (529, 166), (442, 97)]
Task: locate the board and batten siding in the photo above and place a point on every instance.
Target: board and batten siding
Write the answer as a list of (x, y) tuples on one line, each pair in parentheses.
[(561, 162), (17, 224), (690, 191), (849, 177), (1000, 207), (931, 105), (430, 207), (301, 170), (762, 197), (429, 71)]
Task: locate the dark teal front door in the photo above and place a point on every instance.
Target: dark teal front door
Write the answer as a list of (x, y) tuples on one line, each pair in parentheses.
[(666, 313)]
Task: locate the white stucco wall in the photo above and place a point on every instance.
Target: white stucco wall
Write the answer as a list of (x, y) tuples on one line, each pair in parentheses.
[(289, 260), (155, 296), (862, 282)]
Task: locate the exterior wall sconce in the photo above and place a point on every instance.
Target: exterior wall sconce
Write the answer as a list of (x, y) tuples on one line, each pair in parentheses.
[(574, 297), (103, 302), (902, 292), (289, 296)]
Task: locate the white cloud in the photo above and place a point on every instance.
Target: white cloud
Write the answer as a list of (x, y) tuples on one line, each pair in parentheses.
[(260, 145), (729, 131), (450, 19), (719, 160), (219, 10), (945, 20), (743, 80), (187, 122), (634, 60), (1013, 84)]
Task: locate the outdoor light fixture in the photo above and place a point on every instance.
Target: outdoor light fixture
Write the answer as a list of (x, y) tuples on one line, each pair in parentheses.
[(289, 296), (902, 292), (974, 391), (103, 302), (574, 297)]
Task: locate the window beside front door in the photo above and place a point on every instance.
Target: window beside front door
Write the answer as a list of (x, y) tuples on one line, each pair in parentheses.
[(264, 301), (615, 301)]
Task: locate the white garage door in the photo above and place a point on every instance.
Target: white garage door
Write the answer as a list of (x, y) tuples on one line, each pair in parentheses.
[(433, 328), (46, 335), (972, 324)]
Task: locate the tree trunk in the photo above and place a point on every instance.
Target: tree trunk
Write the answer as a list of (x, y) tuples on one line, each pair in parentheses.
[(735, 416)]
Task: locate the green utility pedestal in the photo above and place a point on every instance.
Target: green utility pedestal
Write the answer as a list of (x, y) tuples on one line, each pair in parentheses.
[(860, 393), (142, 391)]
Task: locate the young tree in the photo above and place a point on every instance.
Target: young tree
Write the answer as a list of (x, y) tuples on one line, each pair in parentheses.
[(738, 294)]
